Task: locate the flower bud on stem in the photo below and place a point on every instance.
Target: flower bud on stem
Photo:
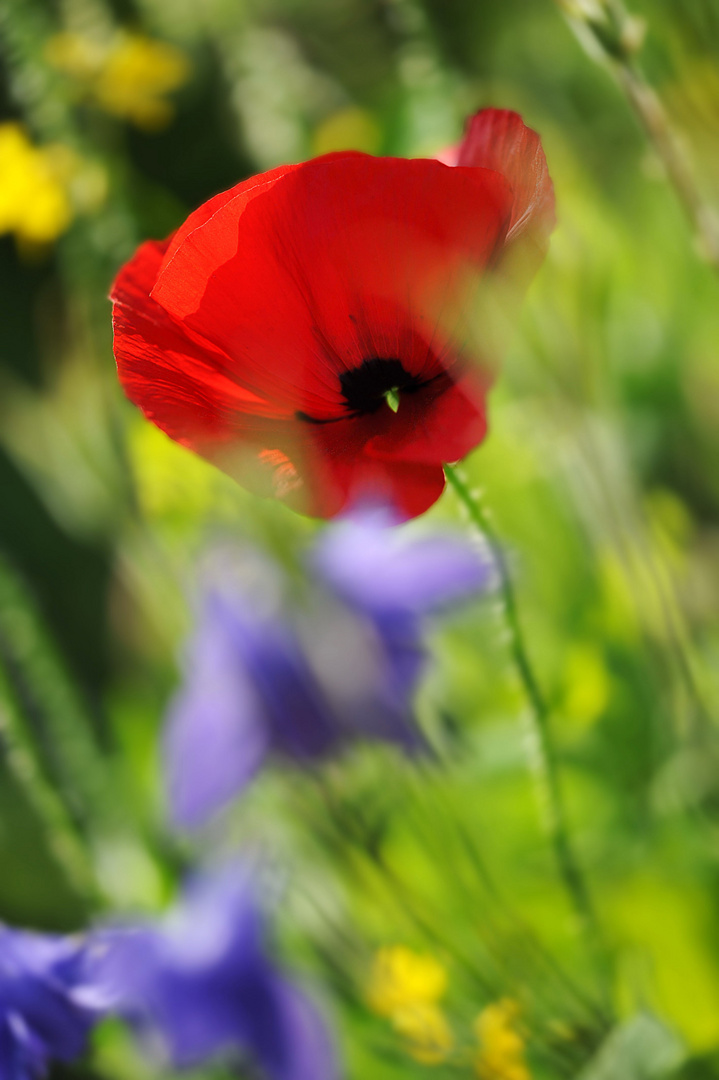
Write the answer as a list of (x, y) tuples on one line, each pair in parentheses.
[(609, 33)]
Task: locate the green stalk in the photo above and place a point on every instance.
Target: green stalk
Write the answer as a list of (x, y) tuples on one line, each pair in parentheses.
[(65, 845), (607, 29), (548, 770)]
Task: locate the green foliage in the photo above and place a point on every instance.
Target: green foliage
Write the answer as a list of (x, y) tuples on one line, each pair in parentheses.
[(601, 474), (639, 1050)]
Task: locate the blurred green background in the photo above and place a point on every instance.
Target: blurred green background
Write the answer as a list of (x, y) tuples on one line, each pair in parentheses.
[(601, 471)]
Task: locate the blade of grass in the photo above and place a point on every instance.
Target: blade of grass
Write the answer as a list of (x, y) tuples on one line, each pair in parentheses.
[(608, 32), (568, 865), (66, 846)]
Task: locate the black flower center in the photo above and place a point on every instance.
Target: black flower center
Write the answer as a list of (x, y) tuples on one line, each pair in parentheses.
[(365, 388)]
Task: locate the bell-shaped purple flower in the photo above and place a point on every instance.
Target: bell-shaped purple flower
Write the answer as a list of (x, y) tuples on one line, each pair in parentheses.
[(389, 573), (199, 985), (45, 1010), (396, 581), (264, 676)]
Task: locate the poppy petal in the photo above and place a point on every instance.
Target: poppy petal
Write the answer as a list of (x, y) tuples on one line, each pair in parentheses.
[(409, 487), (499, 139), (267, 333), (245, 189), (182, 385), (329, 470), (331, 264), (442, 425), (342, 472)]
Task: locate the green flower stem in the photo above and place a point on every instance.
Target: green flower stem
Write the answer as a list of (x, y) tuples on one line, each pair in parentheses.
[(548, 771), (655, 122), (616, 36)]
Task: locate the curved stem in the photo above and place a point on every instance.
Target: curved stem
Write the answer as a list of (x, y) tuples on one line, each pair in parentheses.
[(548, 771), (616, 36)]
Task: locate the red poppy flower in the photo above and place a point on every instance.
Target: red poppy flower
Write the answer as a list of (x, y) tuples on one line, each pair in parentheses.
[(309, 331)]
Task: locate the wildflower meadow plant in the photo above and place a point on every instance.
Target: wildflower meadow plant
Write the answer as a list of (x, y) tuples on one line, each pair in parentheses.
[(35, 199), (127, 75), (299, 788), (200, 985), (309, 330), (46, 1008), (263, 678), (407, 989)]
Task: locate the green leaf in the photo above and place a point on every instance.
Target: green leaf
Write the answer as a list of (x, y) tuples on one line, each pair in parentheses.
[(705, 1067), (64, 844), (73, 786), (58, 727), (641, 1049)]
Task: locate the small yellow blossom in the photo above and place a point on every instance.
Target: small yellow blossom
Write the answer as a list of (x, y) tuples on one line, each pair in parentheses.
[(34, 181), (128, 76), (136, 75), (501, 1053), (405, 986), (402, 978), (425, 1029)]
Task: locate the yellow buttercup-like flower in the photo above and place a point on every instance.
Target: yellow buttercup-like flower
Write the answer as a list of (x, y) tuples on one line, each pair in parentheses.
[(501, 1052), (406, 986), (426, 1032), (136, 77), (129, 76), (34, 187), (401, 977)]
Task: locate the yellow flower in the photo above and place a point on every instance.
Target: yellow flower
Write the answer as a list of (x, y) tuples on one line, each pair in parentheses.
[(34, 199), (405, 986), (128, 76), (401, 978), (501, 1053), (426, 1031), (136, 75)]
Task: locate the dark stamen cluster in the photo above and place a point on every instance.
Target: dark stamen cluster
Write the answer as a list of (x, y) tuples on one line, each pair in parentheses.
[(364, 388)]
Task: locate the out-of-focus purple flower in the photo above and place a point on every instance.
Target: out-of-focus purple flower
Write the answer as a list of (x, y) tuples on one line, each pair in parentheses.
[(45, 1012), (262, 677), (199, 985), (396, 582), (381, 570), (248, 690)]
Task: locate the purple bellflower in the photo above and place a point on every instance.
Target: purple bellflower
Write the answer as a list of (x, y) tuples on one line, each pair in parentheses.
[(263, 677), (45, 1010), (199, 985), (396, 583)]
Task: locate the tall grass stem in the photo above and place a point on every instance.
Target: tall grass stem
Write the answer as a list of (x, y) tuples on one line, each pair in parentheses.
[(615, 36), (548, 769)]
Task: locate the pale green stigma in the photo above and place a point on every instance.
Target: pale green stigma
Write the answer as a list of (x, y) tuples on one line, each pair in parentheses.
[(392, 397)]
